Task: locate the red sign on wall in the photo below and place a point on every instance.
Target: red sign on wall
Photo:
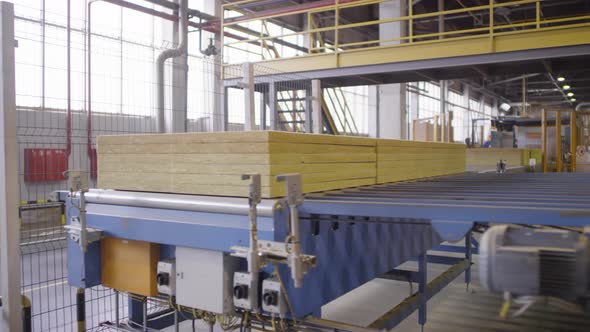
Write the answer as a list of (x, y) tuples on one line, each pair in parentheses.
[(45, 165)]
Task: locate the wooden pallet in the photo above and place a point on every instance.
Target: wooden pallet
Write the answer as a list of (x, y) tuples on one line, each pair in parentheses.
[(478, 157)]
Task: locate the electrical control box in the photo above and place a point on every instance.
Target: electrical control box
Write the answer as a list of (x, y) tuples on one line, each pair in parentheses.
[(129, 266), (245, 291), (166, 277), (272, 297), (204, 279)]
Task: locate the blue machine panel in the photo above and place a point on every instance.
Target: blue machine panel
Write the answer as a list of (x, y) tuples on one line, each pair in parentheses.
[(350, 256)]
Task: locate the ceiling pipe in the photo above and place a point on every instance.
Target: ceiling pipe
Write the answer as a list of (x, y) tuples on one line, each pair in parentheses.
[(296, 9), (517, 78), (582, 105), (180, 50), (164, 3)]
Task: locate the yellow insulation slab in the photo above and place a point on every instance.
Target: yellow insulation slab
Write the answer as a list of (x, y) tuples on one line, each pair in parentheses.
[(211, 163)]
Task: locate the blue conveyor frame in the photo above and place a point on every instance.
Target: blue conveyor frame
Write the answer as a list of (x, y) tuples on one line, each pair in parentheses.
[(356, 234)]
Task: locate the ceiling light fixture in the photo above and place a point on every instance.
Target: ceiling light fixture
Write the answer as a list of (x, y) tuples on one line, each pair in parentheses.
[(570, 94), (505, 107), (573, 99), (561, 79), (566, 87)]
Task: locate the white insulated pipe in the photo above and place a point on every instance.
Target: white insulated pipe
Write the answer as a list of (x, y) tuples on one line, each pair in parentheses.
[(208, 204), (180, 50)]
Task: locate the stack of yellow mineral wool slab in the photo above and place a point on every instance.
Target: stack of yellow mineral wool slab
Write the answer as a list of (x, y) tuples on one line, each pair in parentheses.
[(399, 160), (480, 158), (211, 163)]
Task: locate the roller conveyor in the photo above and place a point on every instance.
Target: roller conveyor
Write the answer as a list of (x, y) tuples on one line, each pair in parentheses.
[(355, 234), (558, 199)]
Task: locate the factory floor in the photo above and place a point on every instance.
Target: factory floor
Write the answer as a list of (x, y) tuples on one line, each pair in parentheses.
[(454, 309)]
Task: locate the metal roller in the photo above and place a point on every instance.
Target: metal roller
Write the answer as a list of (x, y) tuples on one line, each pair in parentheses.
[(210, 204)]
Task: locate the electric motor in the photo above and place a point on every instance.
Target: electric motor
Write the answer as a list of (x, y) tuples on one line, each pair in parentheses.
[(541, 262)]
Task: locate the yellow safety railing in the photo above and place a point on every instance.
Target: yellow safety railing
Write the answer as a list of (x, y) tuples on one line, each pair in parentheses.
[(491, 28)]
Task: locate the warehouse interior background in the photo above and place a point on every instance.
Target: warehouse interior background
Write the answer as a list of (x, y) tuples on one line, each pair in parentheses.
[(502, 75)]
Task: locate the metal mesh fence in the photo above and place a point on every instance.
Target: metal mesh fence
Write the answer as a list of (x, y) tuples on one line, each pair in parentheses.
[(70, 91), (71, 88), (60, 115)]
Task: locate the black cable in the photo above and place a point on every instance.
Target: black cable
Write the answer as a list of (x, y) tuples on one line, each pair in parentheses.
[(183, 316), (180, 311)]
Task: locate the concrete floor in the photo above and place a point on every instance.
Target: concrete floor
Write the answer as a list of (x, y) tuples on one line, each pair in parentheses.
[(454, 309)]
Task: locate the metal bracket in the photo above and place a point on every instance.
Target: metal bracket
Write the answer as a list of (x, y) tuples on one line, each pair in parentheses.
[(77, 180), (294, 197), (254, 197), (255, 188), (294, 188), (75, 232), (260, 252), (271, 251)]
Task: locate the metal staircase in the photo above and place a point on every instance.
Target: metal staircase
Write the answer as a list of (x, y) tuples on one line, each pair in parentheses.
[(291, 110), (336, 114), (334, 102)]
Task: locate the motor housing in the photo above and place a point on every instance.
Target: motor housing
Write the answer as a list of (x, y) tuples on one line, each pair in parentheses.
[(530, 261)]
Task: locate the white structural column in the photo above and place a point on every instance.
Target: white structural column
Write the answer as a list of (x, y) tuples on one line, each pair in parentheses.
[(273, 118), (249, 105), (444, 90), (10, 268), (316, 107), (444, 118), (413, 104), (389, 118), (468, 115)]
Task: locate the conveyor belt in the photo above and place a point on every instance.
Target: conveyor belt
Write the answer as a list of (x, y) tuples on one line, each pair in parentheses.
[(560, 199)]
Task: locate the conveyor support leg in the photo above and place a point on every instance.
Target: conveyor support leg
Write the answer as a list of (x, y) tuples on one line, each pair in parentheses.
[(422, 266), (468, 258)]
